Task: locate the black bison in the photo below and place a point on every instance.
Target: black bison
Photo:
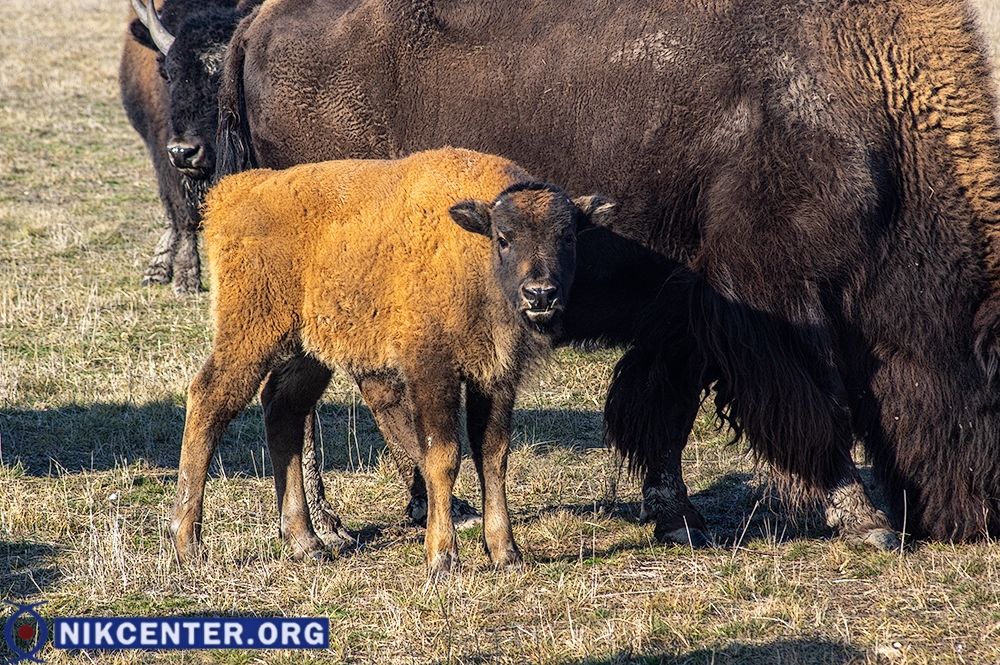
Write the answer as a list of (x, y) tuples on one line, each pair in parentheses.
[(356, 263), (820, 182), (168, 88)]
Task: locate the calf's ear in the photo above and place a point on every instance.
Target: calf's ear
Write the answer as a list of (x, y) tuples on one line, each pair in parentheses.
[(596, 210), (473, 216)]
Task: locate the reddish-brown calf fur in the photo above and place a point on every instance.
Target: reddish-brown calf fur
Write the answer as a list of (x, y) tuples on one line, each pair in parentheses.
[(358, 264)]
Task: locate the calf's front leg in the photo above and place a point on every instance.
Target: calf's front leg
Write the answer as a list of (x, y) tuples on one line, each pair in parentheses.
[(386, 397), (489, 418), (435, 416)]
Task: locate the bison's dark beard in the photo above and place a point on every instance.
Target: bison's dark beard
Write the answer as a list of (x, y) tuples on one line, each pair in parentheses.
[(195, 190)]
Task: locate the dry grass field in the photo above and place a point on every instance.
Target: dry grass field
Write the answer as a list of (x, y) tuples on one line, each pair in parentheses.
[(93, 372), (989, 13)]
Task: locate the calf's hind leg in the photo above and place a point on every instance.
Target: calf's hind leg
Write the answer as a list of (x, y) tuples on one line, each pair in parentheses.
[(288, 399), (489, 436), (222, 388)]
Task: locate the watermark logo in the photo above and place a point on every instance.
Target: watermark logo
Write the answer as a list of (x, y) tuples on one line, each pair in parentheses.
[(25, 632)]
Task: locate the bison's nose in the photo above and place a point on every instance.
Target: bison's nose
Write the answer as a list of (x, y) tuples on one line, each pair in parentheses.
[(539, 295), (185, 155)]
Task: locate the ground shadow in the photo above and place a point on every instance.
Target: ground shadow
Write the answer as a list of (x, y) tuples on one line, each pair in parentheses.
[(106, 435), (804, 651), (26, 569), (741, 509)]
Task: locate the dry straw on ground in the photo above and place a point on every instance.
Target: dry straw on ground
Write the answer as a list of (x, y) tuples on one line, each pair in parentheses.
[(92, 376)]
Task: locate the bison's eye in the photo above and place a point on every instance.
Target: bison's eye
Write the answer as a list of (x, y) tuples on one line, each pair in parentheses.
[(502, 242)]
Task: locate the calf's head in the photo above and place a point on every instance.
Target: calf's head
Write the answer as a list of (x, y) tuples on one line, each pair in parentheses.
[(190, 60), (533, 228)]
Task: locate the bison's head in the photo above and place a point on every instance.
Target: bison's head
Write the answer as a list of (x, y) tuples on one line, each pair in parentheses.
[(533, 227), (191, 39)]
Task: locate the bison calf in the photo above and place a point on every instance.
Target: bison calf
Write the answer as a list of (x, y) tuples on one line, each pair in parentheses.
[(373, 266)]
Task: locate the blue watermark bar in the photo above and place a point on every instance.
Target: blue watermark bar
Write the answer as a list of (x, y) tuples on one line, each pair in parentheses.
[(156, 633)]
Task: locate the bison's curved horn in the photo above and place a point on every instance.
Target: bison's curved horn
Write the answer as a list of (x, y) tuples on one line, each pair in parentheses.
[(161, 36), (140, 11)]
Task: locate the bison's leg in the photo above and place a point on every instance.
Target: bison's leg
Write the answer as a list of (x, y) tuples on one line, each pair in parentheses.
[(221, 389), (489, 435), (665, 502), (160, 268), (435, 403), (766, 331), (324, 518), (650, 409), (187, 262), (288, 399), (386, 397), (849, 509)]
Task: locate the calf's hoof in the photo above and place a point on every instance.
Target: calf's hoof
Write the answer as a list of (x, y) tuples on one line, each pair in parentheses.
[(509, 557), (879, 538), (442, 565), (463, 515), (187, 549)]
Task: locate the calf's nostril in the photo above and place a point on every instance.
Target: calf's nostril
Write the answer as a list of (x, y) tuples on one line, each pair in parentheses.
[(538, 295)]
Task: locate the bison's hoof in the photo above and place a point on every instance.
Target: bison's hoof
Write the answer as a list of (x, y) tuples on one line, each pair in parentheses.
[(332, 532), (186, 288), (463, 515), (185, 284), (689, 537), (337, 541), (156, 278), (441, 566), (886, 540)]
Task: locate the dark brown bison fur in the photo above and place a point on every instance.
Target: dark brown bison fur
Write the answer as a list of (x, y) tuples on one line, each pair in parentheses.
[(822, 179)]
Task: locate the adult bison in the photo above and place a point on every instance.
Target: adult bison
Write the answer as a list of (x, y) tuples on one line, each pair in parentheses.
[(822, 180), (168, 88)]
